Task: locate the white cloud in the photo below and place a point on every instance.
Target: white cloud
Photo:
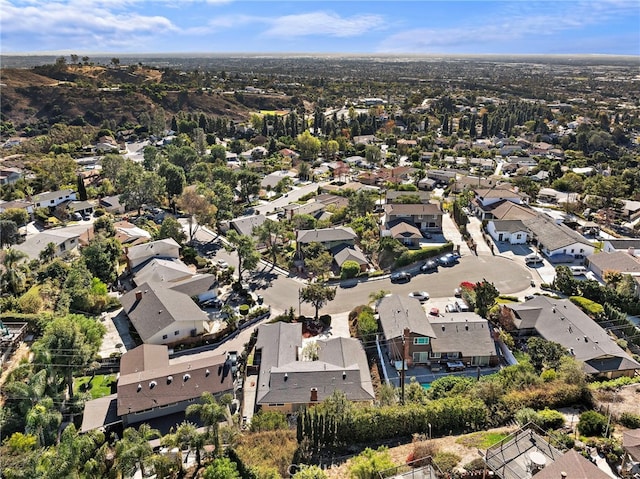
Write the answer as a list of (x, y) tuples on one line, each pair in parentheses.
[(93, 24), (323, 23), (517, 21)]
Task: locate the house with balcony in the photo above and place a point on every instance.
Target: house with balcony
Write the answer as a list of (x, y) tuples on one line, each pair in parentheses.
[(434, 341), (153, 385)]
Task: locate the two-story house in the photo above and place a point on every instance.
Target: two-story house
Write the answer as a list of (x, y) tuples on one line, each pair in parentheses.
[(407, 222), (51, 199), (487, 198)]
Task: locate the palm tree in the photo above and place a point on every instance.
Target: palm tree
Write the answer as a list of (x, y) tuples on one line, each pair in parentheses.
[(48, 253), (187, 437), (211, 412), (13, 278), (134, 450)]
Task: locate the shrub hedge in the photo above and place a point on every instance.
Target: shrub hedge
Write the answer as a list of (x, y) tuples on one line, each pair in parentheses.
[(411, 256)]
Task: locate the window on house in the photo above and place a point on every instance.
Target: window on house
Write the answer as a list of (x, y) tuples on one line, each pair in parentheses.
[(422, 357), (420, 341), (519, 236), (175, 333), (453, 355), (164, 336), (436, 355)]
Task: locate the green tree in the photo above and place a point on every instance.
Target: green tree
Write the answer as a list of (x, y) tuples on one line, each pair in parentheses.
[(69, 344), (320, 265), (221, 468), (271, 234), (8, 233), (43, 421), (211, 412), (174, 178), (308, 146), (248, 256), (139, 187), (18, 215), (134, 450), (14, 277), (317, 294), (200, 211), (593, 423), (349, 269), (171, 228), (82, 190), (249, 184), (304, 171), (268, 421), (54, 172), (101, 257), (150, 155), (222, 198), (545, 354), (486, 294), (361, 204), (369, 463), (565, 282)]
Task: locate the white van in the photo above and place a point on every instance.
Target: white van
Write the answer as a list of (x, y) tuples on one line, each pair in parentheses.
[(578, 270)]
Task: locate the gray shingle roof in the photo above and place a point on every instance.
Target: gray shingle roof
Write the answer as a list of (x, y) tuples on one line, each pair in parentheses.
[(399, 312), (404, 229), (338, 233), (162, 270), (158, 308), (617, 261), (344, 253), (552, 235), (467, 333), (342, 364), (561, 321), (510, 226), (245, 224), (412, 209)]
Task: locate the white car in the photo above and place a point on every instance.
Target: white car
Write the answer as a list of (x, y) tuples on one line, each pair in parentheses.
[(420, 295), (223, 264)]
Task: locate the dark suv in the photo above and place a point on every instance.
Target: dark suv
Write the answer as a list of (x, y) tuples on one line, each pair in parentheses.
[(401, 277)]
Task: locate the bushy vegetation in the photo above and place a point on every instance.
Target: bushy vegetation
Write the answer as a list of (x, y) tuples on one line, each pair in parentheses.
[(411, 256)]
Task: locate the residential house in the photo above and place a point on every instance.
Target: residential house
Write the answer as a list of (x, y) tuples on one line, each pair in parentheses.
[(557, 241), (630, 210), (434, 341), (510, 231), (18, 204), (485, 198), (81, 207), (165, 248), (66, 240), (288, 381), (51, 199), (625, 262), (561, 321), (343, 253), (631, 245), (270, 181), (540, 148), (405, 222), (442, 176), (397, 196), (162, 315), (161, 270), (327, 237), (9, 176), (427, 184), (549, 195), (244, 225), (129, 234), (112, 204), (152, 385), (526, 454)]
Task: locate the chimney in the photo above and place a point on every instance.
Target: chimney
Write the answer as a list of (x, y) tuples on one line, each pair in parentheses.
[(563, 475), (138, 295), (314, 394)]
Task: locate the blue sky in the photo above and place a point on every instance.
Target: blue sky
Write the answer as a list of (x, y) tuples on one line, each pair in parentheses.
[(369, 27)]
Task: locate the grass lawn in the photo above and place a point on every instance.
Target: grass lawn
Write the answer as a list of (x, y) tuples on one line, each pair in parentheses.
[(100, 386), (481, 440), (505, 300)]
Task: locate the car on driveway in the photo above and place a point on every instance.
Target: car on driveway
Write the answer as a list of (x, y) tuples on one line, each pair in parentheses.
[(420, 295), (223, 264), (430, 265), (401, 277)]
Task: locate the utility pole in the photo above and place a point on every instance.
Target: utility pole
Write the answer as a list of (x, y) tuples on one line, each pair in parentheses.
[(405, 349)]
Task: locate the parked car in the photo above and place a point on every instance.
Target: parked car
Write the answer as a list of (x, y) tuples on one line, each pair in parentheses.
[(223, 264), (533, 259), (233, 357), (447, 260), (401, 277), (430, 265), (420, 295), (76, 216), (457, 292), (427, 235), (578, 270)]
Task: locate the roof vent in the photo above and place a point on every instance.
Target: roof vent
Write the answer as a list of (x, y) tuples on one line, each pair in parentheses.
[(139, 388), (443, 327), (186, 377), (344, 375), (207, 373), (466, 326), (586, 339), (286, 376), (152, 384), (169, 379)]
